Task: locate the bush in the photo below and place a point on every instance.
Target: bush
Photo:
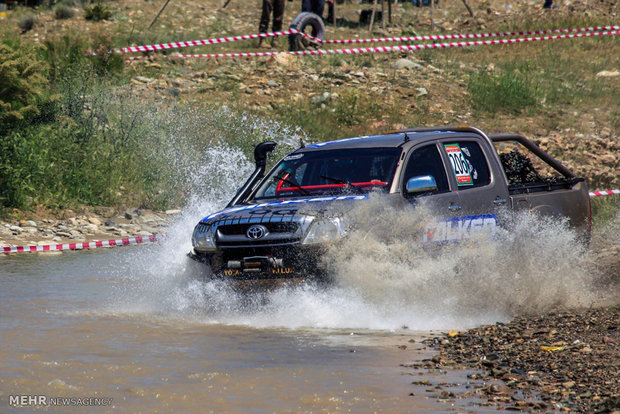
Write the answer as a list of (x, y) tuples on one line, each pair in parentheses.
[(22, 95), (64, 12), (509, 91), (27, 23), (97, 12), (66, 58)]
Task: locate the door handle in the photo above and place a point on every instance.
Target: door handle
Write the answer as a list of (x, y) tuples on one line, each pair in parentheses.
[(454, 207), (499, 201)]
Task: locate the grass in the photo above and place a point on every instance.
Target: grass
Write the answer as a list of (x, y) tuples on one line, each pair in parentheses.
[(509, 91), (604, 209)]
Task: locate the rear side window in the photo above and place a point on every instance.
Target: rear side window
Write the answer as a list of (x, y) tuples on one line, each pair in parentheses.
[(426, 161), (468, 163)]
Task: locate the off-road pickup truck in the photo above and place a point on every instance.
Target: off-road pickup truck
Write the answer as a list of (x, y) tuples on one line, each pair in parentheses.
[(278, 223)]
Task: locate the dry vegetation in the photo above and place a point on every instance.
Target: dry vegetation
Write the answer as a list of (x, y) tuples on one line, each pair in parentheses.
[(552, 91)]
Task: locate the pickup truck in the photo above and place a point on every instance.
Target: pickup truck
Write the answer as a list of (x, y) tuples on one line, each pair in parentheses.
[(277, 224)]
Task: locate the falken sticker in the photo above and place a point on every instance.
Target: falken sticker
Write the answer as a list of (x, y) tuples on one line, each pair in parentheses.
[(460, 228), (460, 166)]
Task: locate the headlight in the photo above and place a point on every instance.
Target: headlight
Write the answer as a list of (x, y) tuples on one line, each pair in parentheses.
[(325, 230), (203, 239)]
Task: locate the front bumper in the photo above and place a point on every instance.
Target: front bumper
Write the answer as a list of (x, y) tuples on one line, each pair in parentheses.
[(265, 262)]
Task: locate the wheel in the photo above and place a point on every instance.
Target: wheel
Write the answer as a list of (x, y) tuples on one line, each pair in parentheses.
[(311, 24)]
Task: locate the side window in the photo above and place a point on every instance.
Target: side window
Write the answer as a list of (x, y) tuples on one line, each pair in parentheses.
[(427, 161), (468, 163)]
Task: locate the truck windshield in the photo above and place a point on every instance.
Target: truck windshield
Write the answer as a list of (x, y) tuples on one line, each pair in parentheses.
[(330, 172)]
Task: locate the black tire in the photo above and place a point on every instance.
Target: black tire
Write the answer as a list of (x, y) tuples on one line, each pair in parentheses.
[(302, 22)]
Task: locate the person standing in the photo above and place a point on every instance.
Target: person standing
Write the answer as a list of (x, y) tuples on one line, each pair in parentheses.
[(277, 8), (314, 6)]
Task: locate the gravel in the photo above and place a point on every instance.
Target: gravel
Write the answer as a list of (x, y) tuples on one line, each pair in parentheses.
[(566, 361)]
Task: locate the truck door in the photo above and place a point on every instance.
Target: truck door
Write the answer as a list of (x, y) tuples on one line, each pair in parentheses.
[(426, 160), (480, 185)]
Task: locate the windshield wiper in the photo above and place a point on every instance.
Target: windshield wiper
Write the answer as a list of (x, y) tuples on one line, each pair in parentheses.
[(293, 183), (345, 182)]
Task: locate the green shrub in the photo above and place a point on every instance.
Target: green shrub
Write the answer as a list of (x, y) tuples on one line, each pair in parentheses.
[(64, 12), (27, 23), (22, 92), (66, 58), (97, 12), (510, 91)]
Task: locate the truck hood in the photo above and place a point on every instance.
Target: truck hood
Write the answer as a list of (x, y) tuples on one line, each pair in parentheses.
[(292, 207)]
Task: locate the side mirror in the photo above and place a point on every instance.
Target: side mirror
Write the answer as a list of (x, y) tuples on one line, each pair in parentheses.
[(421, 184)]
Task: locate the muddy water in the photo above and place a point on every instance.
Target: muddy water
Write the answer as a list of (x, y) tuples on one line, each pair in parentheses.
[(85, 324)]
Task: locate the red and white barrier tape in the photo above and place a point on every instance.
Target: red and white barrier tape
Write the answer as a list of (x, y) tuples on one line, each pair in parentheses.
[(176, 45), (383, 49), (80, 246), (603, 193), (467, 36)]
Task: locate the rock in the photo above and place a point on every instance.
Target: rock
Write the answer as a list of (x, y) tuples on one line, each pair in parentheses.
[(95, 221), (284, 59), (132, 213), (172, 212), (149, 218), (317, 100), (499, 389), (91, 228), (406, 64), (421, 92), (608, 74), (173, 91), (142, 79)]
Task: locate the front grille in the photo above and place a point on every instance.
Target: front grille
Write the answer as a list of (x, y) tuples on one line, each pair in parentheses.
[(241, 229), (249, 242)]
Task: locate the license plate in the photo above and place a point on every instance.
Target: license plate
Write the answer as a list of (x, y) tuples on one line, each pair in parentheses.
[(277, 271)]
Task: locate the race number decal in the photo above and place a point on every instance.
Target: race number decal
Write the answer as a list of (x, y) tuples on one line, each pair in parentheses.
[(460, 165)]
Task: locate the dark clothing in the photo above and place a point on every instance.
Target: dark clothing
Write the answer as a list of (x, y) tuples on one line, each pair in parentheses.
[(548, 4), (275, 6), (314, 6)]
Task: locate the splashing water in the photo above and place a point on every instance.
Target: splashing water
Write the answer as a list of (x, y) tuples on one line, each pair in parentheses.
[(533, 264), (383, 277)]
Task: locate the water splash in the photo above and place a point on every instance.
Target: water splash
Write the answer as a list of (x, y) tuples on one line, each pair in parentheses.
[(534, 264)]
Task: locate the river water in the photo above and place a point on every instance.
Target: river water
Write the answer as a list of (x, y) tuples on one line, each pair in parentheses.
[(85, 324)]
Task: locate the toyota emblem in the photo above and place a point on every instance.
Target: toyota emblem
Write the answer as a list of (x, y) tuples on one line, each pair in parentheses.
[(256, 232)]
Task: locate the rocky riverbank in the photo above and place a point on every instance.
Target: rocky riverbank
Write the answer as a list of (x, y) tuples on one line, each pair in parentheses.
[(565, 361), (102, 223)]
